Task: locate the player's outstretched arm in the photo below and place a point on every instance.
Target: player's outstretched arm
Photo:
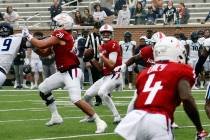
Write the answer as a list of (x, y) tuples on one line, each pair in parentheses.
[(184, 90), (129, 62), (41, 44), (133, 59), (45, 43)]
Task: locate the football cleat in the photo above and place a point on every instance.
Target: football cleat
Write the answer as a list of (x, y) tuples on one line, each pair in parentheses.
[(117, 120), (174, 125), (34, 87), (87, 119), (202, 135), (101, 127), (55, 120)]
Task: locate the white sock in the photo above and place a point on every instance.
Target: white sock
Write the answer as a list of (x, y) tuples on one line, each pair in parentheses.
[(36, 78), (96, 118), (108, 101), (53, 109)]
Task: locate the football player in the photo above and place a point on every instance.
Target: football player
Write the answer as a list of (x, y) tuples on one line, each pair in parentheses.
[(10, 44), (69, 74), (193, 49), (160, 89), (128, 47), (110, 57)]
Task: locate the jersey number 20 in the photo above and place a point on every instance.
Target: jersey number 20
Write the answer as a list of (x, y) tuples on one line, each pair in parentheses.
[(152, 90), (6, 44)]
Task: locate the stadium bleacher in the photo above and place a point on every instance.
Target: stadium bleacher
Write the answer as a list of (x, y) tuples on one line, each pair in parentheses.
[(198, 10)]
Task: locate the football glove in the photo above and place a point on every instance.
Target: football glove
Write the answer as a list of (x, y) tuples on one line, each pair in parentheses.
[(25, 33), (121, 68), (202, 135)]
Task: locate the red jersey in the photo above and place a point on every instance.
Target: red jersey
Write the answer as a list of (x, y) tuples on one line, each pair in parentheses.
[(146, 54), (64, 57), (108, 48), (157, 87)]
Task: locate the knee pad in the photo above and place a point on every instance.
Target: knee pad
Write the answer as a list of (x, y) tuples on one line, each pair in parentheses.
[(88, 99), (48, 98)]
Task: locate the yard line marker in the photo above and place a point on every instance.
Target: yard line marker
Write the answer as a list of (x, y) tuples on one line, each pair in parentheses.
[(75, 136), (66, 118)]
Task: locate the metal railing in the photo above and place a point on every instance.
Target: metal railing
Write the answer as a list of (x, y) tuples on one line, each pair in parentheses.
[(26, 21)]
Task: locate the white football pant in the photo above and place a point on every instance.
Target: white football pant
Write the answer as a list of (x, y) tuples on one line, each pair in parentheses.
[(103, 87), (70, 79), (141, 125), (2, 78)]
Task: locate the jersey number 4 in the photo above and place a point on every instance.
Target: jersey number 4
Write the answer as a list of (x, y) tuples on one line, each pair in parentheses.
[(6, 44), (152, 90)]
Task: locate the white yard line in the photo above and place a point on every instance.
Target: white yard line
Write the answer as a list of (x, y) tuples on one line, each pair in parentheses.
[(192, 126), (65, 118), (75, 136), (32, 109)]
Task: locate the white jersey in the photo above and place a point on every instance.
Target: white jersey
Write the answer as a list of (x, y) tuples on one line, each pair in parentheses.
[(127, 49), (9, 46), (193, 49)]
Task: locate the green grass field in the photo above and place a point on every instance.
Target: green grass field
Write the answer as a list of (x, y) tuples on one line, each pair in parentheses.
[(23, 115)]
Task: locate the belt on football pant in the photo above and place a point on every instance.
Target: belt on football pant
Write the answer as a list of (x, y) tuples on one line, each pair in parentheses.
[(62, 70), (2, 70)]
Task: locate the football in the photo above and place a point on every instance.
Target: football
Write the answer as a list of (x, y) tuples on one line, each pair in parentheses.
[(88, 54)]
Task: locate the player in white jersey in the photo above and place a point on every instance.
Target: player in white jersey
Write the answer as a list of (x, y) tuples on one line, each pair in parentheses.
[(128, 47), (194, 49), (10, 45)]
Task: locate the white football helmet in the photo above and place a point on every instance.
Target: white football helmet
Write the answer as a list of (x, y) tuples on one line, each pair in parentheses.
[(157, 36), (170, 48), (64, 21), (106, 32)]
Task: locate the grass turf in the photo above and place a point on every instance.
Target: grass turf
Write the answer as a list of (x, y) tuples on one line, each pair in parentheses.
[(23, 115)]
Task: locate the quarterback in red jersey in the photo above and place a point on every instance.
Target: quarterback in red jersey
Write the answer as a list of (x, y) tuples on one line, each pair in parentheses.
[(69, 74), (110, 57), (160, 89)]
